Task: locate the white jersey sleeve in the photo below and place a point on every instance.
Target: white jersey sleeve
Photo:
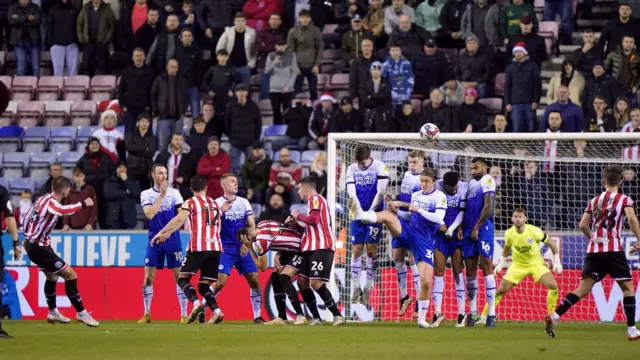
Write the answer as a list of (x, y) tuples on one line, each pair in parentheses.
[(146, 198), (350, 174), (248, 210), (488, 184), (382, 170), (176, 197)]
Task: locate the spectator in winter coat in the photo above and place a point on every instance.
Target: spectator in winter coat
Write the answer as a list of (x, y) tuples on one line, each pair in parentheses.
[(133, 16), (219, 82), (347, 119), (512, 15), (96, 39), (572, 117), (533, 42), (242, 55), (409, 120), (392, 15), (345, 10), (318, 10), (320, 121), (522, 90), (24, 18), (534, 190), (284, 178), (266, 40), (98, 167), (624, 65), (588, 54), (86, 218), (471, 115), (275, 209), (474, 67), (374, 22), (482, 19), (198, 137), (168, 102), (189, 57), (439, 113), (214, 16), (570, 78), (282, 68), (146, 34), (111, 139), (180, 162), (305, 40), (428, 16), (453, 92), (615, 29), (598, 84), (255, 174), (5, 27), (213, 165), (297, 120), (450, 19), (359, 71), (259, 11), (243, 125), (55, 171), (163, 47), (375, 97), (141, 147), (398, 70), (408, 37), (188, 20), (351, 43), (62, 38), (600, 120), (120, 195), (134, 90), (430, 68)]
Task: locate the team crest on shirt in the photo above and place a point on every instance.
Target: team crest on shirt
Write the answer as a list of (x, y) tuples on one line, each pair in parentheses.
[(146, 261), (258, 248), (530, 241), (490, 181), (316, 203), (220, 267), (58, 264)]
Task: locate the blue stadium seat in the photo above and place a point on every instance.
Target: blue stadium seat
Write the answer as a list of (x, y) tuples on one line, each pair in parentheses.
[(68, 160), (15, 165), (62, 139), (4, 183), (84, 133), (395, 157), (16, 186), (121, 128), (295, 156), (308, 157), (10, 138), (300, 207), (257, 209), (1, 159), (275, 130), (39, 164), (41, 181), (35, 139), (226, 147)]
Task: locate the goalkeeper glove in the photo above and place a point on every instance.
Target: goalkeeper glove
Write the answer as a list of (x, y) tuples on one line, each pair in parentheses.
[(557, 264), (502, 263)]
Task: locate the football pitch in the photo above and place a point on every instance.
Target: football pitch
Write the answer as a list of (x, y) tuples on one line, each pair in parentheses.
[(164, 340)]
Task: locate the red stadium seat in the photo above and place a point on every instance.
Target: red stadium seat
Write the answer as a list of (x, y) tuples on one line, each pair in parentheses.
[(83, 113), (265, 107), (8, 117), (23, 88), (494, 105), (76, 87), (339, 82), (50, 87), (30, 113), (323, 81), (57, 113), (500, 80), (7, 80)]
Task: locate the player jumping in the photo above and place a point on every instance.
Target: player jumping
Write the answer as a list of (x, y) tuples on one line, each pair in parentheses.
[(523, 239), (602, 223), (366, 183), (39, 221), (428, 208), (160, 204)]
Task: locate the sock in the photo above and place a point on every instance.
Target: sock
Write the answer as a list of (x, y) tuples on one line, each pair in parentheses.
[(214, 290), (210, 299), (490, 286), (460, 285), (566, 303), (438, 288), (629, 304), (552, 300), (356, 269), (472, 288), (416, 278), (401, 271), (256, 301), (327, 297), (71, 287), (182, 300), (50, 293), (279, 295), (310, 299), (147, 295), (372, 268), (368, 216), (423, 307), (188, 290), (292, 293)]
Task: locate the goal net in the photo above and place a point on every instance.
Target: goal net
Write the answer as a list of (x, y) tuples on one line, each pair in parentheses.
[(552, 176)]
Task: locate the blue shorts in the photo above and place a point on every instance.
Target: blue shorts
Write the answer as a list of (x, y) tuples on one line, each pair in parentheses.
[(420, 246), (243, 264), (362, 233), (401, 242), (446, 246), (170, 250), (483, 246)]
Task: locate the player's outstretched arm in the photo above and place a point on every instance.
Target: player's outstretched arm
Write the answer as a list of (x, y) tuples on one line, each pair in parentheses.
[(175, 224), (502, 262), (585, 224), (630, 212)]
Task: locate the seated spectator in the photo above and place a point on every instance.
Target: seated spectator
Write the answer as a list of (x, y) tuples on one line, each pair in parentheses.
[(111, 139), (392, 15), (86, 218), (180, 162), (564, 9), (534, 43), (120, 195), (586, 56), (134, 90), (598, 84), (255, 174), (618, 27), (318, 170), (408, 37), (55, 171), (499, 124), (275, 209), (96, 38), (351, 42), (554, 122), (61, 35), (243, 54), (600, 120), (570, 78), (198, 137), (522, 90), (374, 22), (534, 193), (439, 113), (243, 125), (482, 18), (284, 177), (347, 119), (621, 111), (359, 71), (573, 119), (24, 19), (634, 123), (453, 91), (474, 67), (282, 69), (141, 147), (408, 120), (471, 115), (305, 40), (297, 120), (428, 17), (97, 166), (146, 34), (213, 165), (258, 12), (512, 16), (624, 66), (189, 57), (430, 68), (450, 18), (398, 70), (214, 122), (219, 82), (133, 16), (320, 121), (346, 10), (24, 205), (266, 40), (630, 184), (168, 102), (375, 97), (164, 46)]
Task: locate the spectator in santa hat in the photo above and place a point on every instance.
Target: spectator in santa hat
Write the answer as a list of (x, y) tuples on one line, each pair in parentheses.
[(111, 139), (319, 122), (522, 90)]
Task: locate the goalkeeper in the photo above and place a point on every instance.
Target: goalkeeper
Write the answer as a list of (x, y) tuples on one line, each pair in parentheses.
[(527, 261)]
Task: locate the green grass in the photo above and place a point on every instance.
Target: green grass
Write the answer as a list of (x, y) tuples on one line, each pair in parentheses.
[(162, 340)]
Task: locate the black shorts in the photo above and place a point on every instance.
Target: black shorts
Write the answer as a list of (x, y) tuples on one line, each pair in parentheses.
[(291, 259), (316, 265), (204, 261), (600, 265), (46, 259)]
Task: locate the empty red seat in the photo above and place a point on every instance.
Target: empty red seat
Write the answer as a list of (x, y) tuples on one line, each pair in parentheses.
[(83, 112), (57, 113), (50, 87), (23, 88), (339, 82), (7, 80), (30, 113), (494, 105), (102, 87), (9, 114), (76, 87)]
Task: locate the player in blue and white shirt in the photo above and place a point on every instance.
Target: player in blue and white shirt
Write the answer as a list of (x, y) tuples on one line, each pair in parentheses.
[(160, 204), (448, 245), (428, 208), (478, 237), (366, 183), (239, 216)]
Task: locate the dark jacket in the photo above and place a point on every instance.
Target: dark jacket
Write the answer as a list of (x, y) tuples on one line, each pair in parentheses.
[(478, 67), (378, 108), (474, 115), (351, 42), (318, 9), (162, 50), (317, 125), (535, 45), (343, 16), (141, 150), (411, 123), (198, 142), (4, 8), (584, 61), (243, 123), (534, 193), (410, 42), (572, 117), (191, 64), (613, 64), (266, 40), (522, 85), (342, 122), (430, 71), (186, 168), (604, 86), (359, 72), (220, 79), (442, 117), (135, 87), (216, 15), (86, 216), (120, 202), (98, 167), (297, 120), (269, 213), (608, 124), (21, 26), (61, 26), (255, 173), (614, 31), (451, 15), (145, 36), (106, 24), (160, 96)]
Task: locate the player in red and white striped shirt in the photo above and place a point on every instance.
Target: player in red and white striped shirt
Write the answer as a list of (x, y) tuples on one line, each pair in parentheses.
[(204, 249), (39, 222), (602, 223)]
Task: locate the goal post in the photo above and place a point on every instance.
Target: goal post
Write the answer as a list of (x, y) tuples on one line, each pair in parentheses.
[(551, 175)]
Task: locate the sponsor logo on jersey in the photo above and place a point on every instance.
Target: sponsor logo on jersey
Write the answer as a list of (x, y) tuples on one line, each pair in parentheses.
[(234, 215), (365, 179)]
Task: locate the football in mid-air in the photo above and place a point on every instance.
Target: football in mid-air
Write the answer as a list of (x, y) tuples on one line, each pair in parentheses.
[(429, 131)]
